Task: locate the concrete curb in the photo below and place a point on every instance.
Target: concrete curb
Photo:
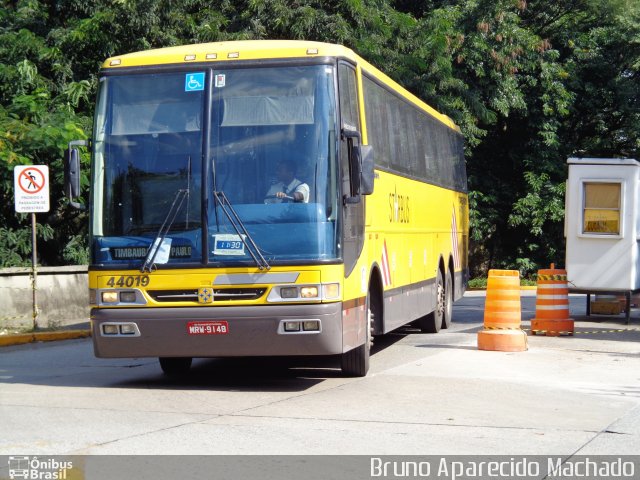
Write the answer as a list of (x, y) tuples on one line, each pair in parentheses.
[(20, 339)]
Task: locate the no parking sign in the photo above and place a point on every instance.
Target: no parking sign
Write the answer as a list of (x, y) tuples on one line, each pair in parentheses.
[(31, 188)]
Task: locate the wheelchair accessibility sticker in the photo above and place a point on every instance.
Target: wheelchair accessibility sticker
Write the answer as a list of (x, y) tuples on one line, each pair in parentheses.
[(194, 82)]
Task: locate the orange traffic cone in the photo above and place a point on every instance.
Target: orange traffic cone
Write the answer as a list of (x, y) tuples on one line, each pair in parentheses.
[(552, 304), (502, 314)]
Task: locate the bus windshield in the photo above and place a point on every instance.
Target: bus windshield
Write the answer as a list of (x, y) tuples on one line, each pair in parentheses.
[(269, 145), (273, 134)]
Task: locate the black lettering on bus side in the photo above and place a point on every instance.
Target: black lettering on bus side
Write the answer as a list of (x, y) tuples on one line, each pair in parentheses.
[(403, 208), (391, 207)]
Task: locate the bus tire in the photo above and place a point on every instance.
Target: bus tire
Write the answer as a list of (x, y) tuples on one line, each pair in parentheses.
[(448, 303), (432, 322), (355, 362), (174, 366)]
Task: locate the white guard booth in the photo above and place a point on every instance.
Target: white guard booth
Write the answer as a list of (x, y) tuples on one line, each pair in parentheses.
[(602, 226)]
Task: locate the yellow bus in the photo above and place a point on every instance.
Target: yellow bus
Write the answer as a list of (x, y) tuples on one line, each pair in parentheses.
[(263, 198)]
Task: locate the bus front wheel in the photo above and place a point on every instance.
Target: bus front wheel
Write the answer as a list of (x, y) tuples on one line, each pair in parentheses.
[(355, 362), (174, 366)]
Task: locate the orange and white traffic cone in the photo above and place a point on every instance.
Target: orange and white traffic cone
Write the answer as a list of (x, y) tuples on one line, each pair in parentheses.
[(502, 314), (552, 304)]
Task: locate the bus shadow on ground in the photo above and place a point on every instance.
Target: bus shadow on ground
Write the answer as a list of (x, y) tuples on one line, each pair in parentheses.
[(251, 374), (254, 374), (278, 373), (74, 366)]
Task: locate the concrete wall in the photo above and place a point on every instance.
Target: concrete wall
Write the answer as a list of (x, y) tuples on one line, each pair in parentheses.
[(62, 296)]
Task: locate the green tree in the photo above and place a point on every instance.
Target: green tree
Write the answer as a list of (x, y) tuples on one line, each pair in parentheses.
[(529, 82), (38, 102)]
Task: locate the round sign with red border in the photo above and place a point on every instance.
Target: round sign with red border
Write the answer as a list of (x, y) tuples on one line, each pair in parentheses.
[(31, 188), (31, 180)]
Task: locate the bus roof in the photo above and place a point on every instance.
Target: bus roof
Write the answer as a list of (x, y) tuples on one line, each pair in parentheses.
[(259, 50)]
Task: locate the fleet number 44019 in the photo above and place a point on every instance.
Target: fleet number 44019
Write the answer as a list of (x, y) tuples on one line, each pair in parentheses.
[(128, 281)]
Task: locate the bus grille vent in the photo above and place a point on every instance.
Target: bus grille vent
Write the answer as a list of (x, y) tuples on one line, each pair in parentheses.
[(219, 294)]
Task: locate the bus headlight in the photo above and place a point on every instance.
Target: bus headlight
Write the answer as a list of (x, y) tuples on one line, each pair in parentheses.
[(110, 329), (289, 292), (291, 326), (309, 292), (120, 329), (109, 297), (302, 293), (128, 329), (300, 327), (121, 297), (311, 325), (331, 291), (128, 296)]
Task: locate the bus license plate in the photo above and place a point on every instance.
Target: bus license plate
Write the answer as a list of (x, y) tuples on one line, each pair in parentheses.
[(208, 328)]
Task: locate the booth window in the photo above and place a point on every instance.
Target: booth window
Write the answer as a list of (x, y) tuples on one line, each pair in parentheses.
[(602, 208)]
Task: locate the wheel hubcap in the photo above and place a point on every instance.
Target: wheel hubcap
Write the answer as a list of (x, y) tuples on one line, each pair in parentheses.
[(370, 324), (441, 299)]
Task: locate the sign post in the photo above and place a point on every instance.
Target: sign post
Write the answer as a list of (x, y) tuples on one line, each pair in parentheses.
[(31, 191)]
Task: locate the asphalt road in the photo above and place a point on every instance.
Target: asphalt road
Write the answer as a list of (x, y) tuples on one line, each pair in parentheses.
[(425, 394)]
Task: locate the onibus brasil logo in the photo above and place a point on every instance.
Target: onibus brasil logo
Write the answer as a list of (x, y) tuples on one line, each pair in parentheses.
[(38, 469)]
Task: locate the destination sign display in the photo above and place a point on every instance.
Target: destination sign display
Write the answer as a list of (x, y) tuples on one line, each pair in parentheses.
[(135, 253)]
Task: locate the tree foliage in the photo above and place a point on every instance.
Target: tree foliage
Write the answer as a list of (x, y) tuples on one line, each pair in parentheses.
[(529, 82)]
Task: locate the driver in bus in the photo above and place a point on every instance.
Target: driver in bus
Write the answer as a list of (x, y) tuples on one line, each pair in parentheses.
[(288, 188)]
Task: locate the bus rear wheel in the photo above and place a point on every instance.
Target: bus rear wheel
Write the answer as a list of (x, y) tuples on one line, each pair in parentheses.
[(355, 362), (174, 366), (432, 322)]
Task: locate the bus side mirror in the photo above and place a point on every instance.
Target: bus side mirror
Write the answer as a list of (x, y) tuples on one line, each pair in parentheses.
[(361, 166), (367, 174), (72, 172)]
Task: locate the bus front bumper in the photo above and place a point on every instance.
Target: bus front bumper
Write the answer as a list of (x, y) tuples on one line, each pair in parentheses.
[(250, 331)]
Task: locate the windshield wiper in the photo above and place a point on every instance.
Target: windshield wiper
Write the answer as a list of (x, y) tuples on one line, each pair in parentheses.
[(152, 253), (241, 230)]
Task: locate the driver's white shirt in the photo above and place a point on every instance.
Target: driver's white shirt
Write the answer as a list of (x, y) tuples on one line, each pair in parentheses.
[(295, 186)]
